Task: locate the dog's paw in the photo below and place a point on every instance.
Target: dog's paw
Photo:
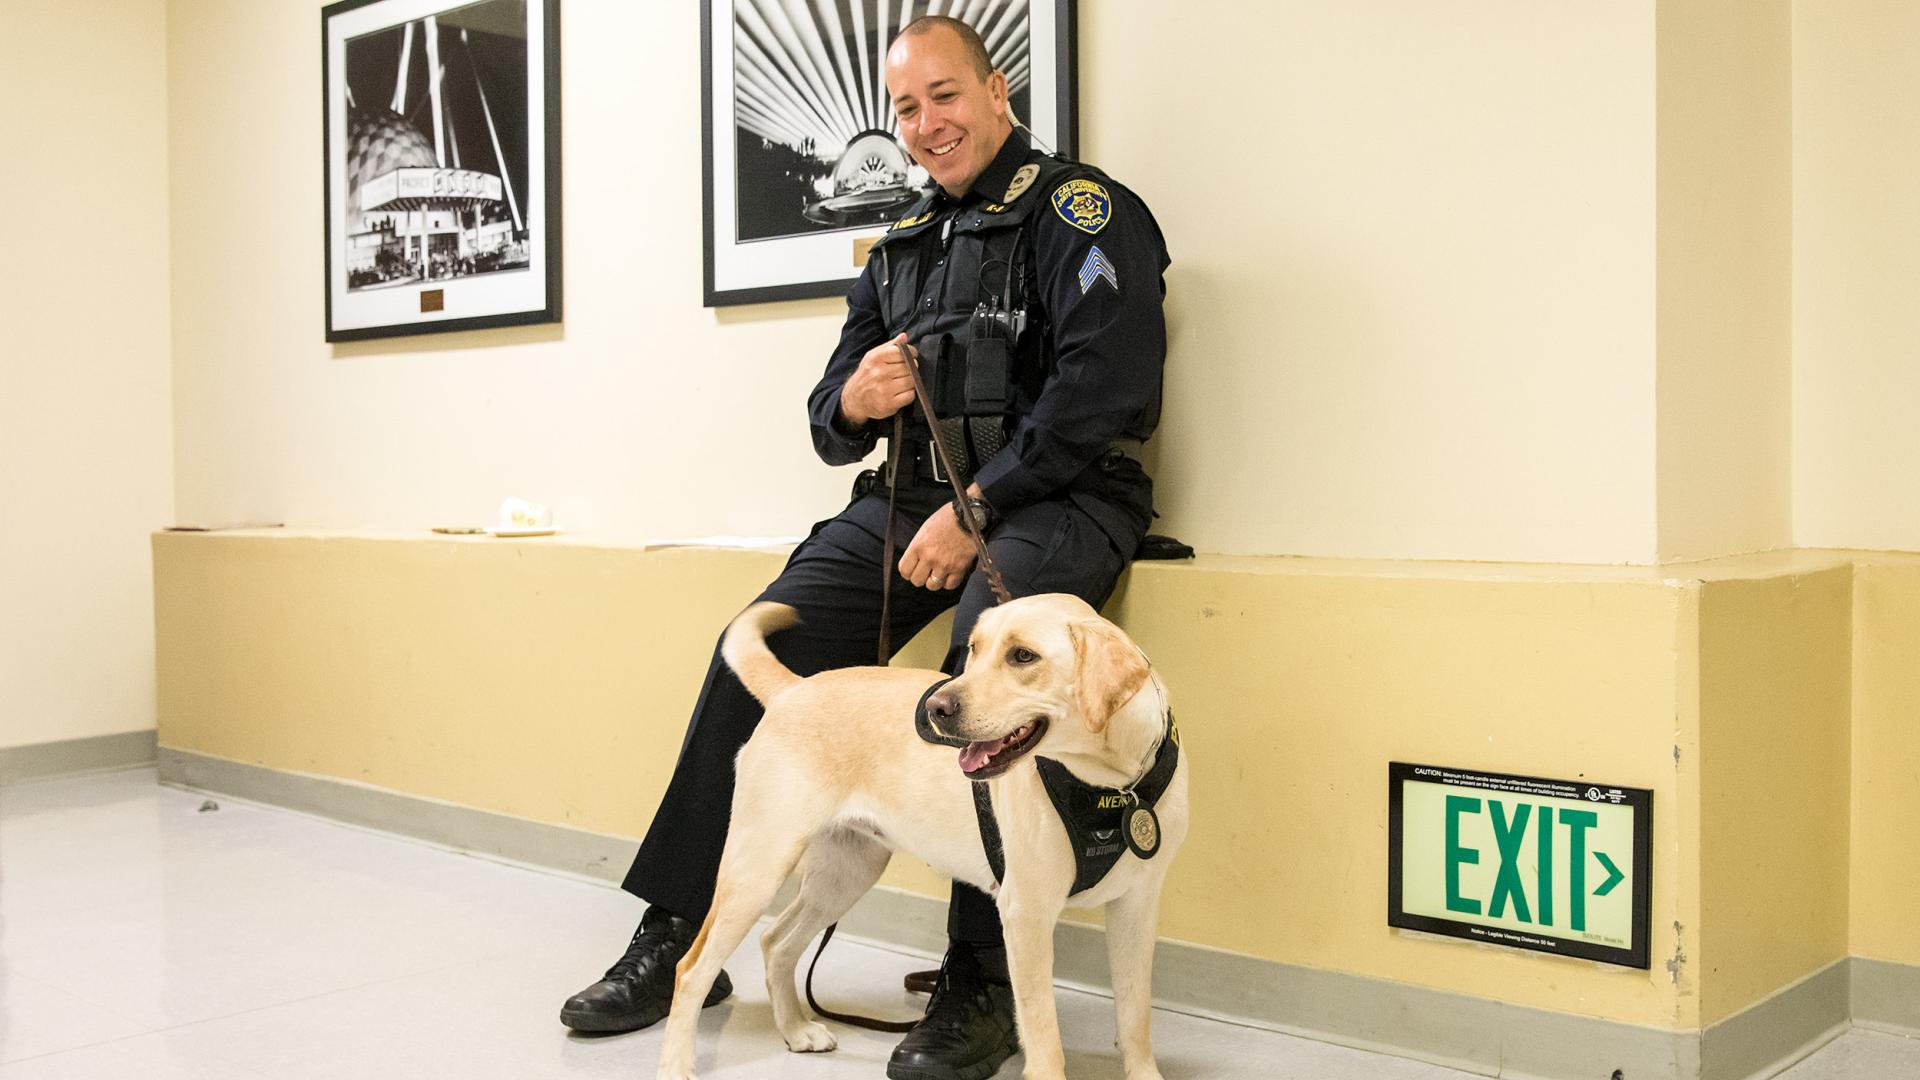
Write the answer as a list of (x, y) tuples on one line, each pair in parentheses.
[(674, 1074), (1150, 1072), (810, 1038)]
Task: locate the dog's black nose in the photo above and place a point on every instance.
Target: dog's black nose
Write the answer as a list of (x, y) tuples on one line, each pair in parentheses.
[(943, 705)]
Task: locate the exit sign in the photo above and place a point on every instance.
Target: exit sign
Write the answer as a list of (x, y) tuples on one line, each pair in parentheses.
[(1558, 866)]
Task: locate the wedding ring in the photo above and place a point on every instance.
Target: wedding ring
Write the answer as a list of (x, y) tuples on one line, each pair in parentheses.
[(933, 582)]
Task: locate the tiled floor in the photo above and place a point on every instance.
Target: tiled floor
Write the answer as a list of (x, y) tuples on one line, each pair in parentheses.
[(141, 937)]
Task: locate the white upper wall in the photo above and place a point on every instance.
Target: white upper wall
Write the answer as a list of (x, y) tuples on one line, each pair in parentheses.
[(1856, 274), (1725, 273), (1412, 295), (85, 422), (1413, 276)]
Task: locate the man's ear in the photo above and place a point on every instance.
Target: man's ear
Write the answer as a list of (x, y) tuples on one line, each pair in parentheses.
[(997, 92), (1108, 670)]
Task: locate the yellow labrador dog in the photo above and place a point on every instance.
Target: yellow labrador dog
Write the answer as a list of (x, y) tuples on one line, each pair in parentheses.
[(836, 778)]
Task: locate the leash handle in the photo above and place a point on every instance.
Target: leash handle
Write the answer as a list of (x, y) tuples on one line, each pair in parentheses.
[(895, 1027), (999, 586)]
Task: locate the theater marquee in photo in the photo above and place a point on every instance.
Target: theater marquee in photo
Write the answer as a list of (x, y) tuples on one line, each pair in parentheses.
[(442, 165), (1558, 866)]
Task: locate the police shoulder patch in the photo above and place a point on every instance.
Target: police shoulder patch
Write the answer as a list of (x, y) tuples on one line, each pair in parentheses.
[(1083, 204)]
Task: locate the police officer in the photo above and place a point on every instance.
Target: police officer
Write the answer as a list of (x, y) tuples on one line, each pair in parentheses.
[(1029, 288)]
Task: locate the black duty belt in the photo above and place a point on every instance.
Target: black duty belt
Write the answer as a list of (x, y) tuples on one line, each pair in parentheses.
[(918, 464)]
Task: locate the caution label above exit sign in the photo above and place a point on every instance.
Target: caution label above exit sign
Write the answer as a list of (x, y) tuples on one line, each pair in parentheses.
[(1559, 866)]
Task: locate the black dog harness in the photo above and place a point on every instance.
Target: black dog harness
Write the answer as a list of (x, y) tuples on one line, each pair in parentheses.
[(1101, 822)]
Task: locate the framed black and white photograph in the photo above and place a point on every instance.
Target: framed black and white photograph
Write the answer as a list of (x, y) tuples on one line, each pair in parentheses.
[(442, 139), (802, 155)]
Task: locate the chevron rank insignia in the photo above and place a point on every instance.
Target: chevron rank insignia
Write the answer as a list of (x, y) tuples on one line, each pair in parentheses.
[(1083, 204), (1096, 267)]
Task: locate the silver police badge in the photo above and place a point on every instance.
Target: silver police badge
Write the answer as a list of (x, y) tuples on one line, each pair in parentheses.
[(1022, 180), (1143, 832)]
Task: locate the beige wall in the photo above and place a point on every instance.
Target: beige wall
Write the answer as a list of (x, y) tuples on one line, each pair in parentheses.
[(1774, 774), (1856, 329), (1412, 291), (1413, 269), (84, 379), (1886, 759), (1725, 254)]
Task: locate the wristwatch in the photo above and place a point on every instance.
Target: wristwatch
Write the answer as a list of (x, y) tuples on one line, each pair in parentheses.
[(975, 509)]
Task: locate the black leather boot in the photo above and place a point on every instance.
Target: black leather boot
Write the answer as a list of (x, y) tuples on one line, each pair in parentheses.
[(638, 990), (968, 1030)]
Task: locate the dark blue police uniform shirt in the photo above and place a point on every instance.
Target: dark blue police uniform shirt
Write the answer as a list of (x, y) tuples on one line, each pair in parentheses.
[(1095, 290)]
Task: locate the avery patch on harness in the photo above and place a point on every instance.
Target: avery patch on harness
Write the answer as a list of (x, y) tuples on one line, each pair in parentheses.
[(1083, 204), (1096, 267)]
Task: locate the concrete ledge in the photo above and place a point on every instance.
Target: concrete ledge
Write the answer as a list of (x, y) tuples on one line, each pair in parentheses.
[(99, 753), (1455, 1030)]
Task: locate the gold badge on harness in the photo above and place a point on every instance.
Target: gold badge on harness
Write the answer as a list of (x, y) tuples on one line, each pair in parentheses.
[(1022, 180), (1143, 832)]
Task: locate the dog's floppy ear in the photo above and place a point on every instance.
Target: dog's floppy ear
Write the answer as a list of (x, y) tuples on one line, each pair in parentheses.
[(1109, 670)]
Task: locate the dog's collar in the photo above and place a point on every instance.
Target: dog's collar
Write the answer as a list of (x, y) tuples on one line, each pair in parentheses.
[(1169, 733)]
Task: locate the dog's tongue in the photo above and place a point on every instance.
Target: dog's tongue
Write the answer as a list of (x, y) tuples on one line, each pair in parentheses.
[(974, 755)]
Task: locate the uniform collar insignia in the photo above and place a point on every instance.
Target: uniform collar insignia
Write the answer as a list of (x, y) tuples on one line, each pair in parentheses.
[(1022, 180)]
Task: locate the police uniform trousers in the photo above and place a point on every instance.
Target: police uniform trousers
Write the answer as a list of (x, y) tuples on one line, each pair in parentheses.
[(833, 579)]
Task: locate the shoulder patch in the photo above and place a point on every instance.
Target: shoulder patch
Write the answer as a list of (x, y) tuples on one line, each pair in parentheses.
[(1022, 180), (908, 223), (1083, 204)]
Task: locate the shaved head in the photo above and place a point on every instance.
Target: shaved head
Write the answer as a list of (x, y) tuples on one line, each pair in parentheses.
[(977, 57)]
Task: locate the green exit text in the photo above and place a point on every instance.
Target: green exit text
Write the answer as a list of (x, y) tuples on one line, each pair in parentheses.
[(1509, 885)]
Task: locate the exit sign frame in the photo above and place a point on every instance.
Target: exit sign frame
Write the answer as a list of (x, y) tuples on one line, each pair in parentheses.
[(1485, 785)]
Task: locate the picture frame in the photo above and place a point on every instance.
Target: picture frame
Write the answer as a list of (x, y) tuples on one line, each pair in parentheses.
[(800, 156), (440, 133)]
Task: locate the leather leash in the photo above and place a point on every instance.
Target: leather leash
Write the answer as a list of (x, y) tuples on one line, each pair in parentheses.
[(894, 1026), (999, 586), (919, 982), (894, 454)]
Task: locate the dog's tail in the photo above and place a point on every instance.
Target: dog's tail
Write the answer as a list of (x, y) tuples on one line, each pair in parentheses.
[(746, 652)]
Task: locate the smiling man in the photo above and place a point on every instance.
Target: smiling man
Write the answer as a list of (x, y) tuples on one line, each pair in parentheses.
[(1029, 287)]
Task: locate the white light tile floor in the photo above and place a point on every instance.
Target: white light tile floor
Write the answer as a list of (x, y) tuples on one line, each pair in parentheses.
[(141, 937)]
